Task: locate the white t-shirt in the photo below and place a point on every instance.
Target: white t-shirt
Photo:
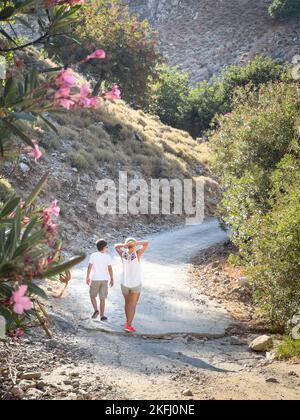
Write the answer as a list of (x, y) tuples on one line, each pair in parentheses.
[(100, 263)]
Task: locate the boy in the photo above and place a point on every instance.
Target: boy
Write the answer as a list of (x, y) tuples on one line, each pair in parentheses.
[(101, 266)]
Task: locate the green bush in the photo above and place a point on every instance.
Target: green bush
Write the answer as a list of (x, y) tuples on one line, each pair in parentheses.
[(168, 95), (275, 251), (194, 108), (284, 8), (288, 349), (131, 45), (257, 149)]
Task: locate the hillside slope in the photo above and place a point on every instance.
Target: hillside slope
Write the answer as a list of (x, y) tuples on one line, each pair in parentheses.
[(94, 145), (203, 36)]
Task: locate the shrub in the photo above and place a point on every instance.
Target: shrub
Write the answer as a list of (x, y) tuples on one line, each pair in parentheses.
[(168, 95), (257, 149), (29, 250), (201, 106), (284, 8), (275, 268), (193, 109), (288, 349), (131, 44)]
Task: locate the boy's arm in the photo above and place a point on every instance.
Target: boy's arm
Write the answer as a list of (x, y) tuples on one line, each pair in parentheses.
[(111, 273), (88, 275)]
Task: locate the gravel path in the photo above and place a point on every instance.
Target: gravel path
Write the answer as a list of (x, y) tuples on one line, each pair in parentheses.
[(169, 304)]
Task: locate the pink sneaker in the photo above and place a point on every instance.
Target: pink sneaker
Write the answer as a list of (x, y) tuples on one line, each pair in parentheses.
[(129, 329)]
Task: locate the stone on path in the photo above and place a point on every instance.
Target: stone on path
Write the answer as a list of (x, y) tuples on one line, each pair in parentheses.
[(31, 375), (187, 393), (262, 344)]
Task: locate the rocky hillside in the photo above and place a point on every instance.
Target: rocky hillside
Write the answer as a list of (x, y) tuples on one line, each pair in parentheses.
[(203, 36), (94, 145)]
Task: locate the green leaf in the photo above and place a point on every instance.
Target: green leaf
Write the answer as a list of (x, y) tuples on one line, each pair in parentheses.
[(33, 289), (26, 116), (9, 207), (19, 133), (37, 190), (52, 272), (49, 123)]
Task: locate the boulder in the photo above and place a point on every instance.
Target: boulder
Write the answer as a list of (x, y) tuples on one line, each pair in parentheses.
[(262, 344), (31, 376), (295, 333)]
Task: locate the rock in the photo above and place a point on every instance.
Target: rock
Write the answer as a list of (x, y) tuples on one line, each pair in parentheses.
[(235, 341), (262, 344), (244, 281), (187, 393), (34, 393), (293, 373), (31, 375), (24, 168), (17, 392), (272, 381), (40, 385), (25, 385), (295, 320), (295, 333), (68, 382), (52, 343)]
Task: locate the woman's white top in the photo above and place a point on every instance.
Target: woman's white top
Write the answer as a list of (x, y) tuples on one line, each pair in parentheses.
[(132, 270)]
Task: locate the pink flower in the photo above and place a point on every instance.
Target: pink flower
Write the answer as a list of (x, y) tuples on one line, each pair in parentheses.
[(66, 79), (18, 333), (85, 90), (37, 154), (54, 209), (94, 101), (114, 94), (20, 301), (98, 54), (63, 92), (66, 103)]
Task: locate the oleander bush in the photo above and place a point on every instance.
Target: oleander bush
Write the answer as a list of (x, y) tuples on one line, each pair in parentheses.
[(30, 248), (131, 44)]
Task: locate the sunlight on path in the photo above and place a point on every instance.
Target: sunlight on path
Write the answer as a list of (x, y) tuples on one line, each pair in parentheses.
[(168, 304)]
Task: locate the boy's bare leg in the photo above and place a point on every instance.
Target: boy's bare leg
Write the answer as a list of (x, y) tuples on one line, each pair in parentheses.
[(102, 307), (94, 303)]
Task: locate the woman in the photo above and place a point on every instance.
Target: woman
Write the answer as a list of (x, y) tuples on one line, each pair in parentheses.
[(131, 280)]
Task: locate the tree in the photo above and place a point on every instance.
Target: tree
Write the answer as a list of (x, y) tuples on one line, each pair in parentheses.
[(284, 8), (30, 247), (257, 149), (131, 44)]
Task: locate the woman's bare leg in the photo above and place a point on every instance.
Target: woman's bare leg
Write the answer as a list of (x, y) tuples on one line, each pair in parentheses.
[(127, 306), (131, 308)]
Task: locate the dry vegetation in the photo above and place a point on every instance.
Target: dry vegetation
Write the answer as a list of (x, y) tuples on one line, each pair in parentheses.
[(92, 145), (118, 137)]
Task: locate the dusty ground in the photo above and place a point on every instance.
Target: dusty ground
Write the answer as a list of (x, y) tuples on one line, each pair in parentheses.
[(81, 364)]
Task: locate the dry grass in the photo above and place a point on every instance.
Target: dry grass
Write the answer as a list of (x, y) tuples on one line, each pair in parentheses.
[(121, 138)]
